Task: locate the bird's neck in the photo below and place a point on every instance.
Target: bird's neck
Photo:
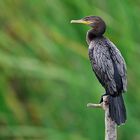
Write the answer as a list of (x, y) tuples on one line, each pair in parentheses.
[(91, 35)]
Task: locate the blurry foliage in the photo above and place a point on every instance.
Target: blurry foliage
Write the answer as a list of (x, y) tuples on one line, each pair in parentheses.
[(46, 78)]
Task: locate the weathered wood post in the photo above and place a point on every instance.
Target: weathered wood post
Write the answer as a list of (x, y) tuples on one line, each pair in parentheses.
[(110, 126)]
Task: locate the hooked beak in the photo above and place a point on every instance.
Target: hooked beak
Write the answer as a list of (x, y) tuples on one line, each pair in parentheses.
[(81, 21)]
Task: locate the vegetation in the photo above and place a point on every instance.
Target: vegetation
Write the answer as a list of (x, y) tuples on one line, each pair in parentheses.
[(46, 78)]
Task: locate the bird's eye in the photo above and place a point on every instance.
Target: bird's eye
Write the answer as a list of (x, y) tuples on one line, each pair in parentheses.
[(86, 18)]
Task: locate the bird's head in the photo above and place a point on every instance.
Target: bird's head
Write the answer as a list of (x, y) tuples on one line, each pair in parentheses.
[(95, 22)]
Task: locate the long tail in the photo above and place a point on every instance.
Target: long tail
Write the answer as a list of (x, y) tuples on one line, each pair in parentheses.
[(117, 109)]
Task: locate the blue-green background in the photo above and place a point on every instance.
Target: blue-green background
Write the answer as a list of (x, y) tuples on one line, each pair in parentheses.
[(45, 75)]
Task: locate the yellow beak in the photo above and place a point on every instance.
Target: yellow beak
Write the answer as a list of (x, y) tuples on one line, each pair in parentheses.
[(81, 21)]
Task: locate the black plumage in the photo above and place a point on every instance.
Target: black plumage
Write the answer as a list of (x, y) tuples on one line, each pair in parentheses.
[(108, 66)]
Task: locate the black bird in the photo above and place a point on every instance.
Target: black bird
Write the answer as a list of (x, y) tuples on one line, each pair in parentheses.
[(108, 66)]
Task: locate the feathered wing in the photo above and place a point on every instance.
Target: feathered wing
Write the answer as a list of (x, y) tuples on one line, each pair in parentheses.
[(120, 63)]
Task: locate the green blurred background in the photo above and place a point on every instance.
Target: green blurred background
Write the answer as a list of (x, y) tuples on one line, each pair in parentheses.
[(45, 74)]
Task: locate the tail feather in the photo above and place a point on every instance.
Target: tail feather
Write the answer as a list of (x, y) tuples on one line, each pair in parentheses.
[(117, 109)]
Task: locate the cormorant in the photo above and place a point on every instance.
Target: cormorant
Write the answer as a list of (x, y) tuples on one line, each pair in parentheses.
[(108, 65)]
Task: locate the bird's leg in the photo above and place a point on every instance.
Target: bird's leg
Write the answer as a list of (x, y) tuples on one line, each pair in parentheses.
[(101, 100)]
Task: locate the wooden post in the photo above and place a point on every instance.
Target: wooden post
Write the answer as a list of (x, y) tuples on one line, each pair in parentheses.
[(110, 126)]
